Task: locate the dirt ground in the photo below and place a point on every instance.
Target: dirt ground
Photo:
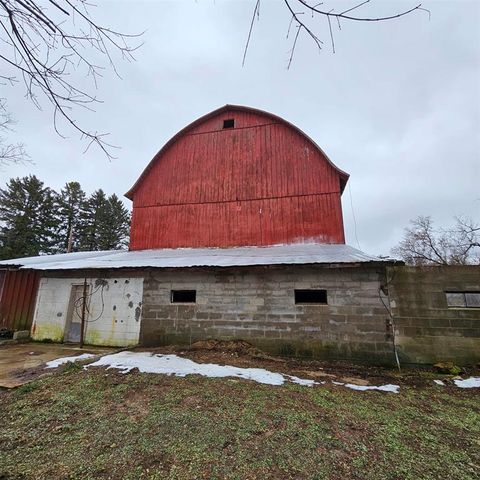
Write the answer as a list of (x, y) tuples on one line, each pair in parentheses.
[(243, 354), (23, 362)]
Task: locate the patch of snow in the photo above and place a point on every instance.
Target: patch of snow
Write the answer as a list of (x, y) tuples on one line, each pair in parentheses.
[(439, 382), (302, 381), (362, 388), (472, 382), (383, 388), (60, 361), (147, 362)]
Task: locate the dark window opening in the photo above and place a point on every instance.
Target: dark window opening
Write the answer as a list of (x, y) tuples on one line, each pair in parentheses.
[(230, 123), (463, 299), (183, 296), (318, 297)]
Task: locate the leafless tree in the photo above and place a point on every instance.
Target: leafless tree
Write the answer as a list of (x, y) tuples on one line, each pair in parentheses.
[(424, 245), (306, 16), (48, 44), (9, 152)]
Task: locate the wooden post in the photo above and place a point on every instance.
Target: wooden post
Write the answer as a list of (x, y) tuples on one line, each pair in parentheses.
[(84, 305)]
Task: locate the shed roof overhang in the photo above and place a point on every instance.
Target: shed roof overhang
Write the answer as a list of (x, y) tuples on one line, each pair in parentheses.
[(292, 254)]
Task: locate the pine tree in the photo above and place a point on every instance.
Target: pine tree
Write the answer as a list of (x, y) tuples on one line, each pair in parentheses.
[(71, 217), (115, 227), (96, 212), (107, 223), (35, 220), (27, 218)]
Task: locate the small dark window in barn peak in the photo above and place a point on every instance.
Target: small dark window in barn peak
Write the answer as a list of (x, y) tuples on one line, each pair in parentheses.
[(183, 296), (229, 123), (463, 299), (311, 297)]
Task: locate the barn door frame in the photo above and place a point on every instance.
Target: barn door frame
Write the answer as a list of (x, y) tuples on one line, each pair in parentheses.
[(74, 312)]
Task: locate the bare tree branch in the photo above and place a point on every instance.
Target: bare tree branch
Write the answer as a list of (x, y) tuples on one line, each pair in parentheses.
[(296, 8), (9, 152), (256, 13), (424, 245), (46, 44)]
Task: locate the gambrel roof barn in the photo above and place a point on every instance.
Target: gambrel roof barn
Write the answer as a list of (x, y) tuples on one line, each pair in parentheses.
[(237, 176), (237, 233)]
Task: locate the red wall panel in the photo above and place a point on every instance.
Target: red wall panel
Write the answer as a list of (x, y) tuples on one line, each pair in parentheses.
[(17, 298), (260, 183)]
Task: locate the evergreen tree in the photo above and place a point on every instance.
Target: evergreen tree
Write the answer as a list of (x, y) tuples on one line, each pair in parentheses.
[(71, 205), (107, 223), (35, 220), (96, 212), (27, 218), (115, 227)]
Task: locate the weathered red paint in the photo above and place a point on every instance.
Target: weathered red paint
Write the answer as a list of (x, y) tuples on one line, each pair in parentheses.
[(262, 182), (17, 298)]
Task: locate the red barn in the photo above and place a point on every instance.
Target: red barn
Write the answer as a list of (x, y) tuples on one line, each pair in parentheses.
[(247, 179), (237, 176)]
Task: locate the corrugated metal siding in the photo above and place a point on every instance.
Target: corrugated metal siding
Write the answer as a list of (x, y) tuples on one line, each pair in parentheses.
[(259, 183), (17, 301)]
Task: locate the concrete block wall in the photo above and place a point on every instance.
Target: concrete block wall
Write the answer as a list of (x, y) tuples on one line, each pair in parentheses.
[(114, 311), (427, 330), (257, 305)]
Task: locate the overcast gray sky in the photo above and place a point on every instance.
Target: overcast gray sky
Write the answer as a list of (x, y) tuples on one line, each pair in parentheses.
[(397, 106)]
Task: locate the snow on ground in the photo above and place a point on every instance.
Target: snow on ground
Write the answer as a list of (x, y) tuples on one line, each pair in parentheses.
[(147, 362), (362, 388), (60, 361), (472, 382), (383, 388)]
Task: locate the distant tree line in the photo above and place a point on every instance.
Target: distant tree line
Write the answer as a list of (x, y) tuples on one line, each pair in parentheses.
[(37, 220)]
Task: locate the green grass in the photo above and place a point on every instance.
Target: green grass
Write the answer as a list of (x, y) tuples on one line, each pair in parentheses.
[(98, 424)]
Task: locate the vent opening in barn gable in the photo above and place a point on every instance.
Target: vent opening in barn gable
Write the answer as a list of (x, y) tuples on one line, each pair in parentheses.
[(252, 199)]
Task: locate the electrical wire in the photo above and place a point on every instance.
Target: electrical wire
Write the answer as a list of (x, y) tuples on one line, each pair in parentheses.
[(392, 321), (353, 215), (87, 298), (103, 306)]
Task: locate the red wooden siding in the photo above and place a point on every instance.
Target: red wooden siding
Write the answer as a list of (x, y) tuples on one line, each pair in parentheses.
[(259, 183), (17, 298)]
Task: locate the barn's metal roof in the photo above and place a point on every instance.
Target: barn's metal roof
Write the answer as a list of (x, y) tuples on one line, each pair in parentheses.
[(294, 254)]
